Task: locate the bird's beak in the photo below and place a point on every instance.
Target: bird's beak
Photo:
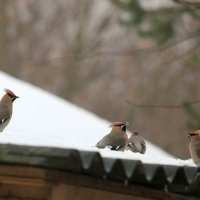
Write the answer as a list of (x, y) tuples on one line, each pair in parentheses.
[(15, 97)]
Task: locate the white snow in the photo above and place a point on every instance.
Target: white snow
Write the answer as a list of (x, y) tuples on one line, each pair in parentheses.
[(42, 119)]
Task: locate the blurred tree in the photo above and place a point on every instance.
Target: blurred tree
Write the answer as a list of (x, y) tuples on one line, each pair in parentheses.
[(44, 40), (80, 70), (76, 49), (159, 24), (6, 40), (194, 116), (162, 24)]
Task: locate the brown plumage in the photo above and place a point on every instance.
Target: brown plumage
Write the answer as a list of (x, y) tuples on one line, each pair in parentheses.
[(116, 139), (194, 146), (6, 108), (136, 143)]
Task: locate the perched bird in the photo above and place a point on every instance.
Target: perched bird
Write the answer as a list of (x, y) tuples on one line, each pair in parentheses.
[(136, 143), (194, 146), (6, 108), (116, 139)]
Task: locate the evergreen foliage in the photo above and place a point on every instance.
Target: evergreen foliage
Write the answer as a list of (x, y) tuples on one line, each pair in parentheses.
[(160, 25)]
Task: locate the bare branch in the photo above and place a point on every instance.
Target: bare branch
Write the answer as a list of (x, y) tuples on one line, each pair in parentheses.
[(163, 106), (132, 52), (188, 3), (181, 56)]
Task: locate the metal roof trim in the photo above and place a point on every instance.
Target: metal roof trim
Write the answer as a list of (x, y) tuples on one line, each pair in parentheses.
[(179, 179)]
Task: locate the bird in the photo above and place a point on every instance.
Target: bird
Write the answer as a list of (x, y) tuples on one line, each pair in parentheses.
[(136, 143), (194, 146), (6, 105), (116, 139)]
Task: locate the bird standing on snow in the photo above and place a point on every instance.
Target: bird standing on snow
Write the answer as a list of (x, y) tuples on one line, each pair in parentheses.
[(6, 108), (116, 139), (136, 143), (194, 146)]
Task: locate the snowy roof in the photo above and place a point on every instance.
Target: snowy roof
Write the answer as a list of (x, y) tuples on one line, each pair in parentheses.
[(43, 119)]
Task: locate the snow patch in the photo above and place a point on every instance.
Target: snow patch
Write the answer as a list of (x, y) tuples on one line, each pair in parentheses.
[(43, 119)]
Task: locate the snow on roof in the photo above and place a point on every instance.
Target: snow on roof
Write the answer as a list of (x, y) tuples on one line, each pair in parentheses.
[(42, 119)]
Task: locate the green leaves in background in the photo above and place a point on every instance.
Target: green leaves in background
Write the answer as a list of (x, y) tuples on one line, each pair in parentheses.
[(158, 24)]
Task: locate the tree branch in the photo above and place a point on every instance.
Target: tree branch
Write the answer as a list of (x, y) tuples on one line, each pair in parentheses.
[(163, 106), (188, 3), (132, 52)]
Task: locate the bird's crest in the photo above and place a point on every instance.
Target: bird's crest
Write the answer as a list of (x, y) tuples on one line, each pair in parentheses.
[(9, 93), (194, 133), (119, 124)]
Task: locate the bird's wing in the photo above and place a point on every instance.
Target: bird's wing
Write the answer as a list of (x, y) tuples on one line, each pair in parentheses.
[(114, 147), (103, 142), (143, 147), (4, 116), (132, 146), (114, 143), (137, 145), (198, 151)]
